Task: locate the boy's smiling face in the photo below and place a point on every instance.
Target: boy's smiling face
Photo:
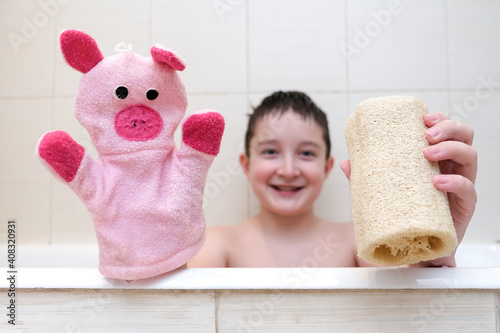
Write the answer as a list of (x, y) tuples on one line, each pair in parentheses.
[(287, 165)]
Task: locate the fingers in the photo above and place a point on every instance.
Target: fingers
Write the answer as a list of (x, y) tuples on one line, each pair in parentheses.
[(461, 186), (452, 150), (345, 166), (463, 155), (443, 129), (432, 119), (451, 145), (462, 196)]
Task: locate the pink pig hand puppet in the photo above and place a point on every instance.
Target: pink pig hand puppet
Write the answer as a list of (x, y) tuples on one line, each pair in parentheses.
[(144, 195)]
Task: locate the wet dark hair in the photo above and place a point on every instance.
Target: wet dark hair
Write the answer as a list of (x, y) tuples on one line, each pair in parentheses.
[(282, 101)]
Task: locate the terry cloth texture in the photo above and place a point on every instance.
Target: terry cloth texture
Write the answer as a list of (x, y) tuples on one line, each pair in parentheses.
[(400, 217), (143, 193)]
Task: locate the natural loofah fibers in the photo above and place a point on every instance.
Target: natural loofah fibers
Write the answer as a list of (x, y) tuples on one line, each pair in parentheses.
[(400, 217)]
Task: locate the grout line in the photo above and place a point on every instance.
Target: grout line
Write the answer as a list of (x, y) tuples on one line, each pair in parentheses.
[(258, 92), (216, 310)]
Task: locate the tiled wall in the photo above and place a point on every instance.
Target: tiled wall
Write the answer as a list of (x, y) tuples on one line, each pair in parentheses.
[(338, 51)]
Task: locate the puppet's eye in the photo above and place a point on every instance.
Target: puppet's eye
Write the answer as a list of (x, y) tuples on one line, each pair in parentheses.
[(121, 92), (151, 94)]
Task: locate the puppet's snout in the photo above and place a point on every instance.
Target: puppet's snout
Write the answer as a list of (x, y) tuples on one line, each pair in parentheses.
[(138, 123)]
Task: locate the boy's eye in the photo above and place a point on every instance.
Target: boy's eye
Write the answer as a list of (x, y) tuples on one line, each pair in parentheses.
[(269, 152), (308, 153)]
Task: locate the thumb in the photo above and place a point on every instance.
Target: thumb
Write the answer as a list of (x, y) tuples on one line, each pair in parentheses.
[(345, 166)]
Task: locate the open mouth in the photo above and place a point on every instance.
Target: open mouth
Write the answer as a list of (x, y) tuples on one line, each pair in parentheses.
[(287, 188)]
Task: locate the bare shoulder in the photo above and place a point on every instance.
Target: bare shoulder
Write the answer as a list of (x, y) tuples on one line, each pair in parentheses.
[(220, 233), (217, 248), (213, 252)]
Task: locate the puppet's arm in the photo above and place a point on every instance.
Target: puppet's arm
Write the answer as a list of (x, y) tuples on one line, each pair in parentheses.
[(67, 160), (62, 154), (203, 132)]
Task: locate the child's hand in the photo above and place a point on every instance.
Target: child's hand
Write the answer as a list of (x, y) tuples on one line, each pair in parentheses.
[(451, 146)]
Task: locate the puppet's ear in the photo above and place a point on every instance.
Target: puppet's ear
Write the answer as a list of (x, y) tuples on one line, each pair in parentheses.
[(160, 54), (80, 50)]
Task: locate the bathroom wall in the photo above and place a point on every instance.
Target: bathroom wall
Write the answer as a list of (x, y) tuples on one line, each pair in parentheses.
[(340, 52)]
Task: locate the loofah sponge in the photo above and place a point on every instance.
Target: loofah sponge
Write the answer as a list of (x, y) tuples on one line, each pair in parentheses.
[(400, 217)]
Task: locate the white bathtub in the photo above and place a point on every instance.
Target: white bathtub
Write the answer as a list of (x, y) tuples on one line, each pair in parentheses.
[(475, 254), (469, 254)]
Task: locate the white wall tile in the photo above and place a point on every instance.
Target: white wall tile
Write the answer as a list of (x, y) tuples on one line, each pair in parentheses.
[(214, 49), (295, 45), (474, 43), (397, 47), (27, 57), (24, 182)]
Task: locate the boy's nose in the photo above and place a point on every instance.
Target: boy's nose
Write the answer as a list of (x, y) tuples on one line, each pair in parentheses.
[(288, 169)]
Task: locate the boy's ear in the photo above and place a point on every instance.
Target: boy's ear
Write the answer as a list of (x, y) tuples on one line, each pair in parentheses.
[(244, 162), (329, 165)]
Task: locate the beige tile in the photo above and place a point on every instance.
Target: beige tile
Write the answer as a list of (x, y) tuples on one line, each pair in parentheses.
[(24, 182), (393, 48), (214, 50), (295, 45), (27, 57)]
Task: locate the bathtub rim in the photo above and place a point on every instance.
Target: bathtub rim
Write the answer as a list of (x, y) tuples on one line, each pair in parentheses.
[(267, 279)]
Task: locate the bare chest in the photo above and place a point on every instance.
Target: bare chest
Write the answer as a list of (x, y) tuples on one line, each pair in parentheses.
[(320, 251)]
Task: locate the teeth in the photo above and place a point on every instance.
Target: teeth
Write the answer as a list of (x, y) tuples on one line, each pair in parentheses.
[(287, 188)]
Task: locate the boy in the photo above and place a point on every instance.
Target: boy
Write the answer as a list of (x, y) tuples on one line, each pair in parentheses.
[(287, 159)]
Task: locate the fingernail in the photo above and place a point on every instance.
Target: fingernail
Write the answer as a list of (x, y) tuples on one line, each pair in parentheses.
[(434, 132), (433, 150), (441, 180), (432, 116)]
